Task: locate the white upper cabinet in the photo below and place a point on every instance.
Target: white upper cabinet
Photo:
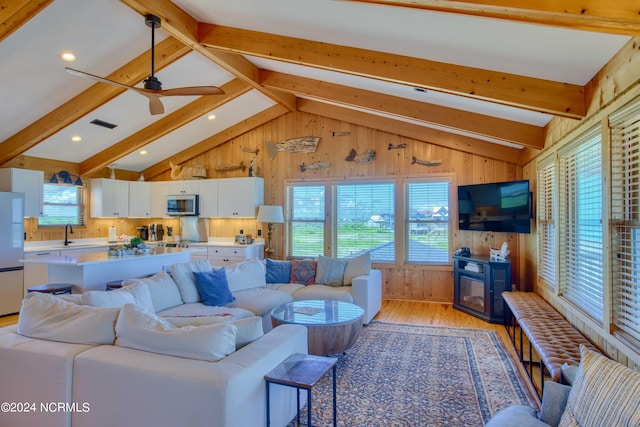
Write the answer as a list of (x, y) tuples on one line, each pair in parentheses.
[(159, 192), (109, 198), (25, 181), (208, 197), (140, 199), (184, 187), (240, 197)]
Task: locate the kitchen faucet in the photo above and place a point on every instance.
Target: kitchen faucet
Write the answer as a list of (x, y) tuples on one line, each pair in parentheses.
[(67, 229)]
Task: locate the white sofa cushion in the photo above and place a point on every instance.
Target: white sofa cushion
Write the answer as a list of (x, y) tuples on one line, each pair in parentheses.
[(246, 275), (141, 330), (260, 301), (182, 274), (357, 266), (50, 318), (340, 293), (132, 294), (163, 289), (247, 330)]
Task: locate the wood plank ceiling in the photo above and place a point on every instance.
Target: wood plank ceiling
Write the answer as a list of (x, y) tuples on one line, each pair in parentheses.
[(246, 56)]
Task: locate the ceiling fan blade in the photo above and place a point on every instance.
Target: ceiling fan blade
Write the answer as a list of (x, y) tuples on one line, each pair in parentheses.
[(192, 90), (155, 105), (97, 78)]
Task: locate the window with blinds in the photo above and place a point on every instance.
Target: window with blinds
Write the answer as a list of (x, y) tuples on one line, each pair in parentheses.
[(427, 222), (305, 220), (546, 225), (364, 220), (580, 224), (625, 223), (62, 204)]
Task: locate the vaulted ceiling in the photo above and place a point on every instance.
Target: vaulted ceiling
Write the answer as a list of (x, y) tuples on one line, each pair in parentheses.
[(466, 73)]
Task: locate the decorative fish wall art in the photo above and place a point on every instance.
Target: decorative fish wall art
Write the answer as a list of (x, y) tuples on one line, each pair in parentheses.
[(367, 157), (425, 162), (250, 150), (304, 144), (319, 165), (227, 168)]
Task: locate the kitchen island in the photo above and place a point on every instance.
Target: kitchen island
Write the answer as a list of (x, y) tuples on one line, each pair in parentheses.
[(89, 272)]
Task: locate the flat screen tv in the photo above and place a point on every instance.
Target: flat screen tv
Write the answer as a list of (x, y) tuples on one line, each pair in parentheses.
[(499, 206)]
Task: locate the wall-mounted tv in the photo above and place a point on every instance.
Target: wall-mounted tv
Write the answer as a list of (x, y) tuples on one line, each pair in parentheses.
[(499, 206)]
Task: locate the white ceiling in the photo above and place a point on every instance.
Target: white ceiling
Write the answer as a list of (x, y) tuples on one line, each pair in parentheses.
[(107, 34)]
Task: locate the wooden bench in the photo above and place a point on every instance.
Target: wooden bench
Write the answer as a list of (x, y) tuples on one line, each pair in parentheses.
[(550, 335)]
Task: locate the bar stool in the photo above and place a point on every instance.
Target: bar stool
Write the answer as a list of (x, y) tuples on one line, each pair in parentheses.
[(114, 284), (51, 288)]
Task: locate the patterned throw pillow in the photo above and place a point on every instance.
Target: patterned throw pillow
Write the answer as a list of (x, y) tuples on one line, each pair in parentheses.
[(604, 393), (303, 271)]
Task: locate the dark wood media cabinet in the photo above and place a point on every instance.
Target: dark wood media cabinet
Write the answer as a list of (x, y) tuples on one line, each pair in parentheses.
[(478, 283)]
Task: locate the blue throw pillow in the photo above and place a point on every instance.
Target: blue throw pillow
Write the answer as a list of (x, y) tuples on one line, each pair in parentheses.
[(213, 287), (278, 271)]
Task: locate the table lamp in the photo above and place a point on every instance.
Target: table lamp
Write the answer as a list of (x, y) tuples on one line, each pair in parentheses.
[(271, 215)]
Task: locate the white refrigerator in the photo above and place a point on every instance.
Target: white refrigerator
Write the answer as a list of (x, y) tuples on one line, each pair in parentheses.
[(11, 250)]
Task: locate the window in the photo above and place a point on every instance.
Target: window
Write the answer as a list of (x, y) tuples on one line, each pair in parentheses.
[(305, 220), (63, 204), (580, 219), (546, 223), (625, 214), (427, 222), (364, 220)]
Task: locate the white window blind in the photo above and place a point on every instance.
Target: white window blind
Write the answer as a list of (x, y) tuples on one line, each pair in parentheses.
[(625, 232), (62, 204), (580, 219), (546, 222), (364, 220), (305, 220), (427, 222)]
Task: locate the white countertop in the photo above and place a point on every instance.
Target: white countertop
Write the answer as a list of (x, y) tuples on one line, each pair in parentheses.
[(103, 257)]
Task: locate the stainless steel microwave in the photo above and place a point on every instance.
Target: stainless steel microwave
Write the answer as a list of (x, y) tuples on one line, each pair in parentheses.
[(183, 205)]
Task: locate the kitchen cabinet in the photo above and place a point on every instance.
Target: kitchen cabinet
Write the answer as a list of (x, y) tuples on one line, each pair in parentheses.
[(184, 187), (222, 255), (29, 182), (109, 198), (36, 274), (240, 197), (140, 199), (159, 192), (208, 196)]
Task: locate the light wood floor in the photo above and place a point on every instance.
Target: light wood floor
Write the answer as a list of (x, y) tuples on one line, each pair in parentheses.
[(417, 313)]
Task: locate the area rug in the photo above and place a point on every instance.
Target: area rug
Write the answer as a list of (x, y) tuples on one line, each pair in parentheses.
[(406, 375)]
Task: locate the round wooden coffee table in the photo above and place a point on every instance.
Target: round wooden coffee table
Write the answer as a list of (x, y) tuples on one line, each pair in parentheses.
[(333, 326)]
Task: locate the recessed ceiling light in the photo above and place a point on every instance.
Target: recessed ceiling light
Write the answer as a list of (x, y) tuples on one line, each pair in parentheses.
[(143, 152), (211, 117), (67, 56), (76, 138)]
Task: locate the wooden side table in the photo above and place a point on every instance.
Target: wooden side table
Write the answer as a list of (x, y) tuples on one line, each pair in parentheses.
[(302, 371), (51, 288)]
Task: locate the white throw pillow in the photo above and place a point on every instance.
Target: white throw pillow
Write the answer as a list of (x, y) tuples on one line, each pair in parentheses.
[(141, 330), (48, 317), (248, 330), (164, 291), (330, 271), (132, 294), (246, 275), (357, 266), (182, 274)]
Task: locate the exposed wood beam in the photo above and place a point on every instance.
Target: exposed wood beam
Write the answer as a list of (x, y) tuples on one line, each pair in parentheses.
[(420, 133), (546, 96), (218, 139), (167, 124), (607, 16), (478, 124), (16, 13), (132, 73), (183, 27)]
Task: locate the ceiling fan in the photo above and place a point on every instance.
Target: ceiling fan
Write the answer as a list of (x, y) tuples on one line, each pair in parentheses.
[(152, 86)]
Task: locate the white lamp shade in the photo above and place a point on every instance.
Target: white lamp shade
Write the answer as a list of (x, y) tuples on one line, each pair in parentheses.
[(270, 213)]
